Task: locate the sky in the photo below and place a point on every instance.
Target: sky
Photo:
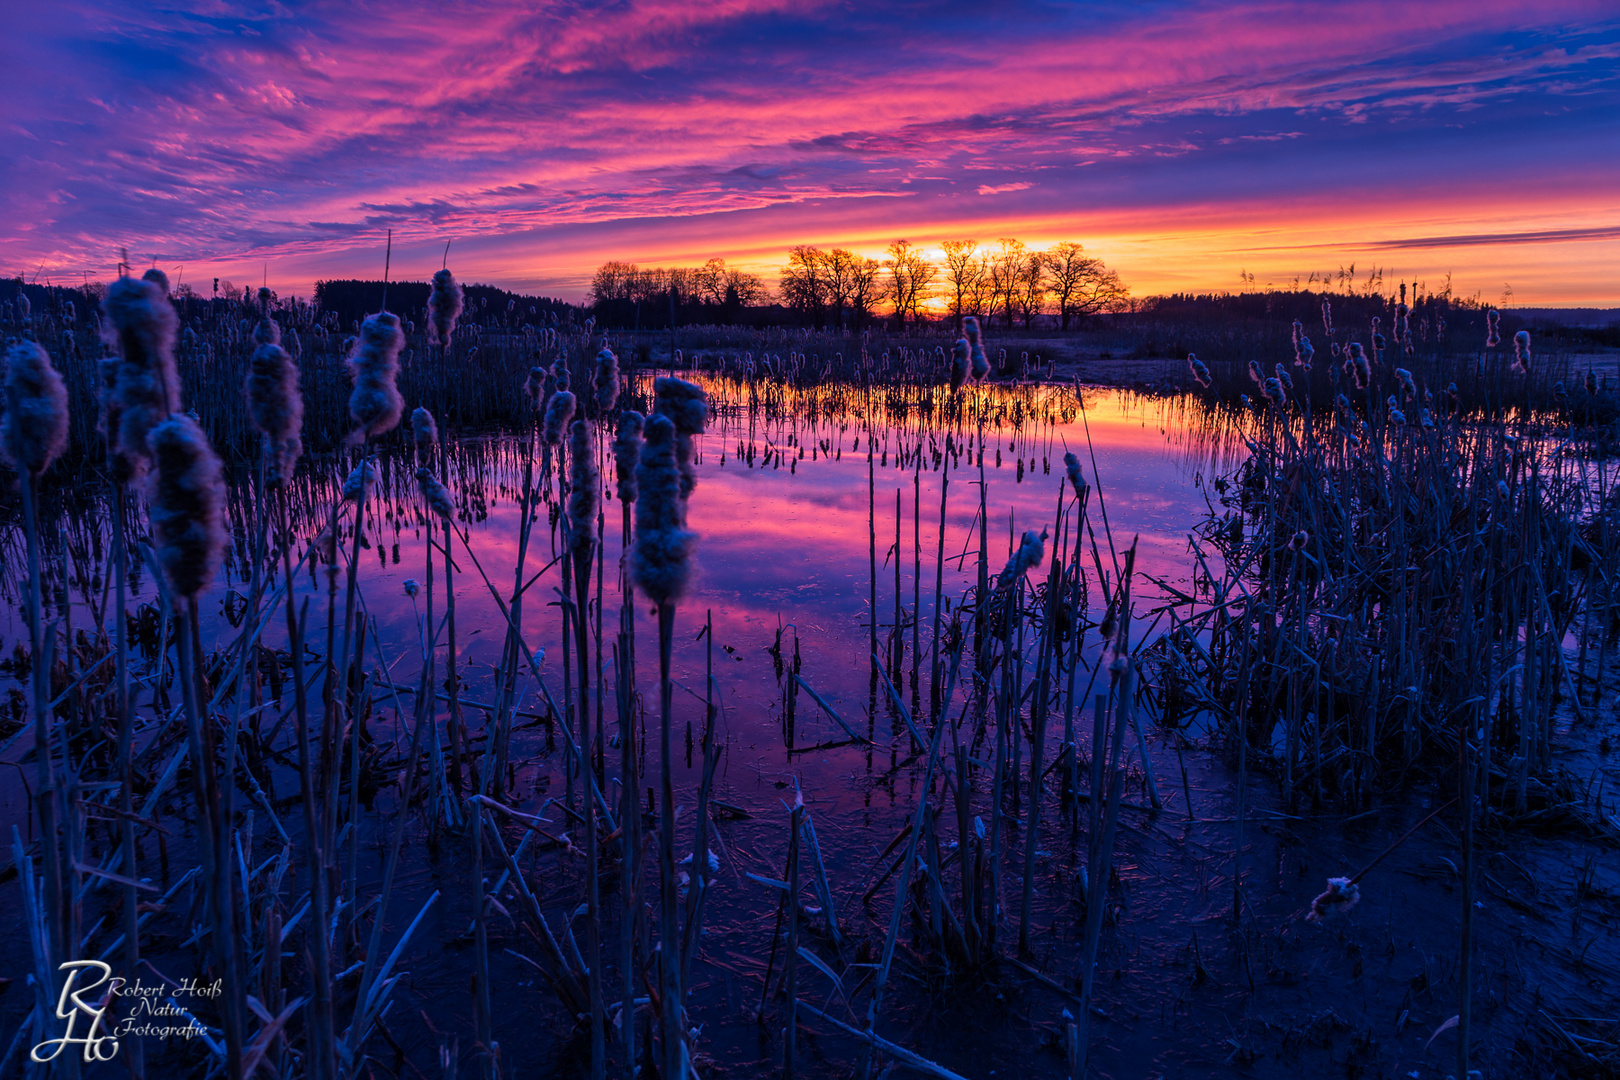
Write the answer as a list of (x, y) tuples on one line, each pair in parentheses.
[(1184, 143)]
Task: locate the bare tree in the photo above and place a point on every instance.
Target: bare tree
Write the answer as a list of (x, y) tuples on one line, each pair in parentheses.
[(964, 276), (863, 288), (910, 276), (803, 284), (1006, 268), (1029, 288), (1082, 284), (709, 281), (837, 268)]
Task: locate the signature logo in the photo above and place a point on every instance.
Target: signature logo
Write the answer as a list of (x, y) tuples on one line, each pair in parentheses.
[(98, 1042)]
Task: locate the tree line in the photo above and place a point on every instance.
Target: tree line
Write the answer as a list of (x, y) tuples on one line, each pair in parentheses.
[(839, 289)]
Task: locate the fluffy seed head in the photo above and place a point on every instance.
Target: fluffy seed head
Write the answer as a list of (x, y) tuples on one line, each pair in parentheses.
[(158, 278), (145, 387), (1284, 378), (584, 488), (267, 332), (1408, 386), (375, 404), (1071, 465), (424, 432), (559, 372), (1257, 375), (360, 482), (1342, 895), (687, 407), (1521, 351), (627, 453), (1031, 550), (534, 388), (276, 408), (559, 412), (981, 362), (1493, 321), (34, 431), (434, 494), (661, 562), (605, 380), (444, 307), (1200, 371), (1273, 390), (186, 505)]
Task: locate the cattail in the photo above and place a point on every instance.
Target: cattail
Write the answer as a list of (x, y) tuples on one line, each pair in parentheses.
[(661, 560), (34, 431), (1273, 391), (1031, 550), (559, 372), (1200, 372), (558, 414), (424, 431), (1342, 895), (961, 358), (293, 345), (1327, 318), (435, 494), (1591, 383), (981, 363), (1426, 419), (1299, 540), (534, 388), (412, 588), (584, 488), (24, 307), (158, 278), (444, 306), (145, 387), (627, 453), (1305, 353), (687, 407), (266, 332), (1397, 417), (606, 380), (276, 408), (360, 482), (1284, 378), (1493, 336), (186, 505), (1521, 352), (1408, 387), (1077, 480), (1298, 336), (1356, 365), (375, 404), (1256, 374), (1243, 399)]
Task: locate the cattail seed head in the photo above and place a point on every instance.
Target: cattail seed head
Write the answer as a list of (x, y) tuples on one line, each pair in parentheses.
[(1342, 895), (158, 278), (605, 380), (186, 505), (375, 404), (559, 412), (1306, 353), (1031, 550), (1299, 540), (360, 482), (627, 453), (980, 362), (687, 407), (1077, 480), (584, 488), (1408, 386), (267, 332), (1521, 351), (1273, 391), (534, 388), (435, 494), (1200, 371), (661, 562), (146, 387), (559, 372), (424, 432), (34, 431), (1256, 374), (444, 307), (1284, 378), (276, 408), (412, 588), (1493, 321)]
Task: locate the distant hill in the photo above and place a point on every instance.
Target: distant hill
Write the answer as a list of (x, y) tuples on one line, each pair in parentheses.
[(1583, 317)]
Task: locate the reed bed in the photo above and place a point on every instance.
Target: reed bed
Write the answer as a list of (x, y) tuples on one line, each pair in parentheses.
[(1385, 586)]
